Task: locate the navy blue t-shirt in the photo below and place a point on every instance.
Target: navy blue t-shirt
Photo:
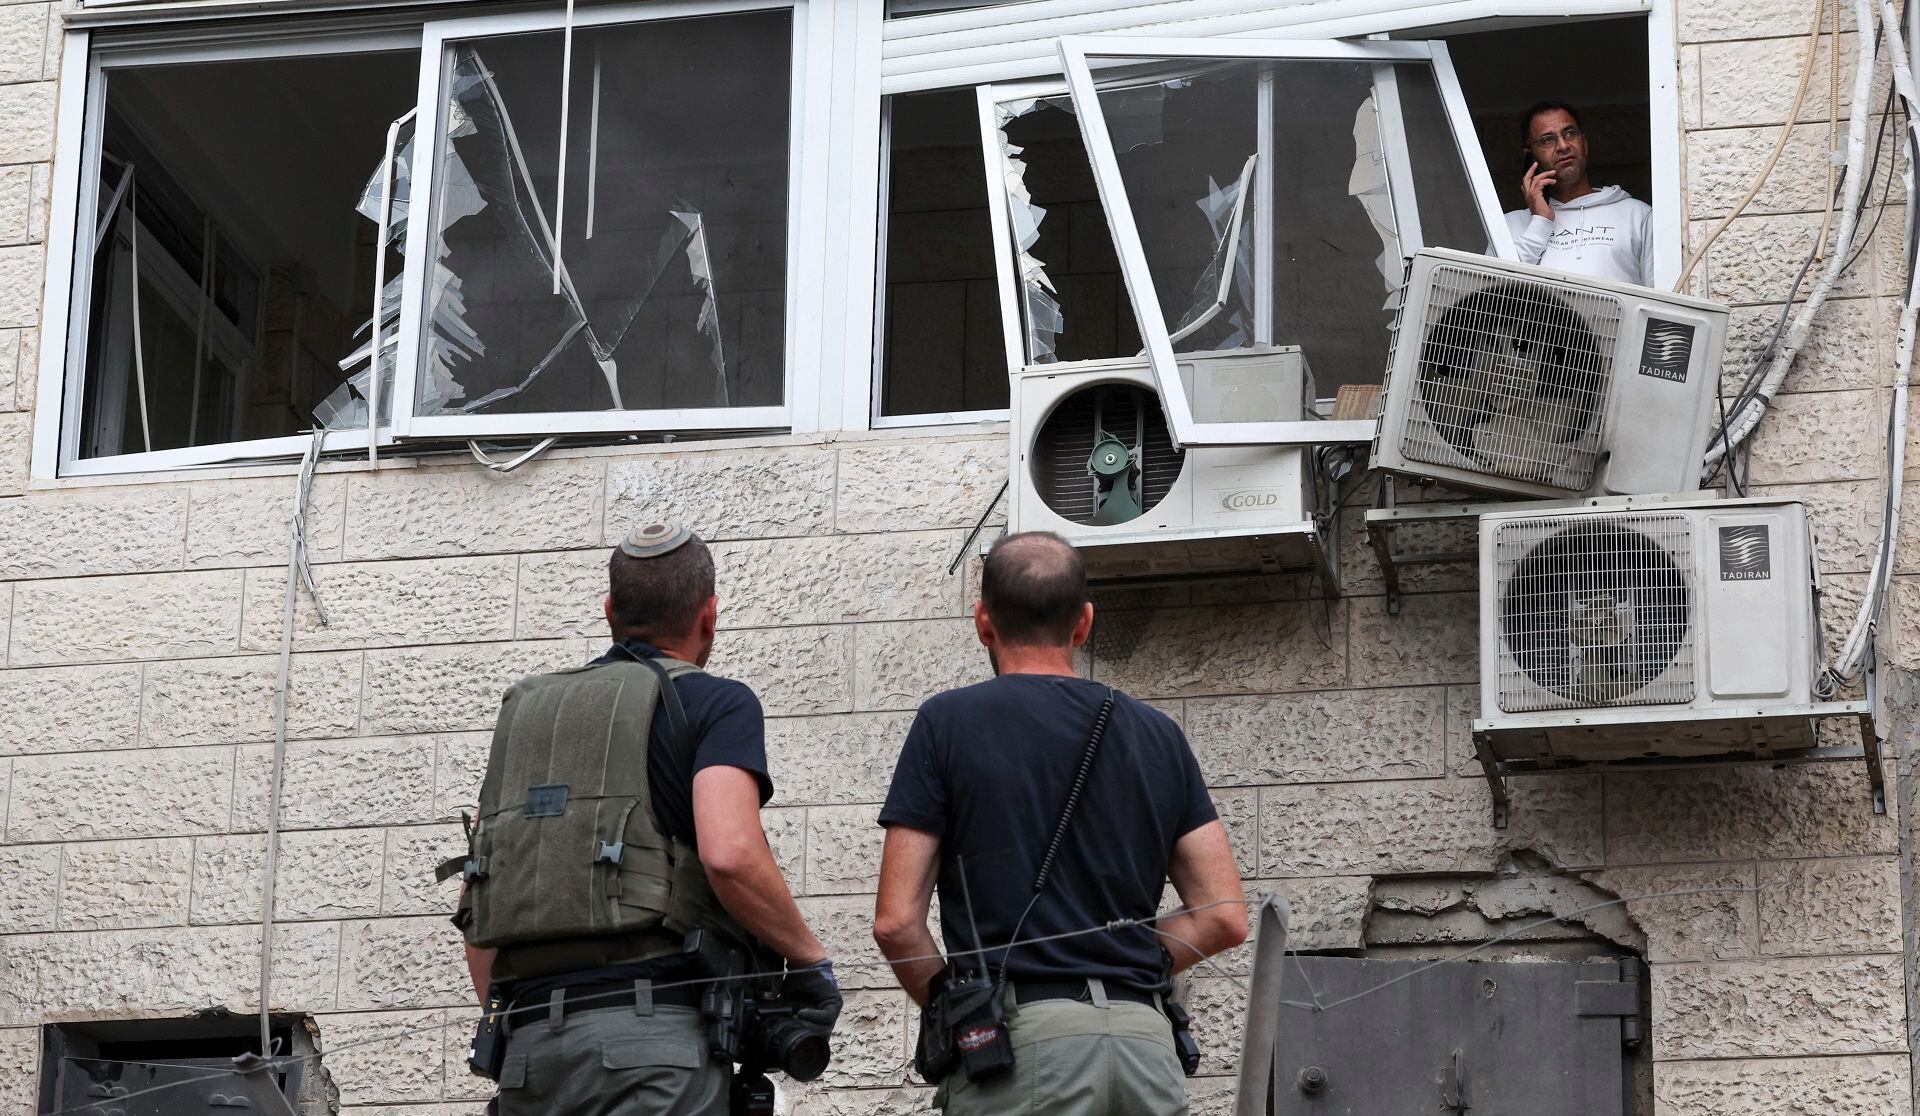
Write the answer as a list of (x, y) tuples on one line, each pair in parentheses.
[(987, 768), (725, 728)]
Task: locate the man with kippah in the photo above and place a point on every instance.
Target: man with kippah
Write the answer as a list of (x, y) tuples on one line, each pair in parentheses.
[(621, 810)]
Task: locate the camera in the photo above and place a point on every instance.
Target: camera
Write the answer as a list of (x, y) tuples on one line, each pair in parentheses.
[(746, 1021)]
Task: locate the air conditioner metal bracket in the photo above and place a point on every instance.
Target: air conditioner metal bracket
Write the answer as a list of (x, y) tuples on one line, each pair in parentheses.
[(1492, 738)]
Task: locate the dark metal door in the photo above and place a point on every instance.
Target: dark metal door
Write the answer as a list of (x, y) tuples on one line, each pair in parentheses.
[(1456, 1039)]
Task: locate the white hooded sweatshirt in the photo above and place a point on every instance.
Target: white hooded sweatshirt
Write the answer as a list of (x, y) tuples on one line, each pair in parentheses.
[(1606, 234)]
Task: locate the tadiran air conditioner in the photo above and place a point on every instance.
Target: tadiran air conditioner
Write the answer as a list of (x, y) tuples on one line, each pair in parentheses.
[(1521, 381)]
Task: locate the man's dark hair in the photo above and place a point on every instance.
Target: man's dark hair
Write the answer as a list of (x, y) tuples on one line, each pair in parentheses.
[(1526, 121), (659, 598), (1034, 587)]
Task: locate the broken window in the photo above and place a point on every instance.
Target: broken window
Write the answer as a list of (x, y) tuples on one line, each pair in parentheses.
[(222, 272), (634, 261), (1255, 194), (940, 348)]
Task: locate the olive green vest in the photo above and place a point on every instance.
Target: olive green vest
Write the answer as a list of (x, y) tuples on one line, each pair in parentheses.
[(567, 867)]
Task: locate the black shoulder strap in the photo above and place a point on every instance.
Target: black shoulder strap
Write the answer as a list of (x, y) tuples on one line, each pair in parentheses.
[(669, 694)]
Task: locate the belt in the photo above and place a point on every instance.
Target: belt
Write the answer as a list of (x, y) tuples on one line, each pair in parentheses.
[(1032, 991), (592, 997)]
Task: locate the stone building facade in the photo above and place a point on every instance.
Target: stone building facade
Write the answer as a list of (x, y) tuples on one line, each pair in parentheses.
[(140, 620)]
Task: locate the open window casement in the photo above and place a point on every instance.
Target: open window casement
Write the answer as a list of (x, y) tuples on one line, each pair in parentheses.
[(625, 271), (1263, 193)]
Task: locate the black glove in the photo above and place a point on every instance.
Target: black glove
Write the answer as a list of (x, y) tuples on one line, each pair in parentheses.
[(815, 995)]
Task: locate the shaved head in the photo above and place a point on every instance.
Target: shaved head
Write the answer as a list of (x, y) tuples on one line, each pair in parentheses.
[(1034, 588)]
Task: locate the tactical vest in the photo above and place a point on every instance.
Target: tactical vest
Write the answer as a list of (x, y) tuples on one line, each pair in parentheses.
[(566, 854)]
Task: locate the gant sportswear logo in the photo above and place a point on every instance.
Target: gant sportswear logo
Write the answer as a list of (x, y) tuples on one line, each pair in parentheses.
[(1667, 350), (1746, 553)]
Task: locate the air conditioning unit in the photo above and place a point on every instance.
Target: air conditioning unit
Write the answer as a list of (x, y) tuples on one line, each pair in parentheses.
[(1093, 462), (1522, 381), (1637, 629)]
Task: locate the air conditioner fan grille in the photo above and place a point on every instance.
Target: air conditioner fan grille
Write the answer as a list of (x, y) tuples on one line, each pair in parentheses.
[(1064, 442), (1595, 610), (1512, 377)]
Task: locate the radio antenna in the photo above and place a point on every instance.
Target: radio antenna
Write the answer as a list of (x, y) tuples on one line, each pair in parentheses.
[(966, 900)]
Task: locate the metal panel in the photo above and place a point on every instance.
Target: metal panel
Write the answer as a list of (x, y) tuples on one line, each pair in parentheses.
[(1486, 1038)]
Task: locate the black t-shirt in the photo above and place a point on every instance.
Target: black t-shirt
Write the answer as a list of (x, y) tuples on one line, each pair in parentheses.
[(987, 768), (725, 728)]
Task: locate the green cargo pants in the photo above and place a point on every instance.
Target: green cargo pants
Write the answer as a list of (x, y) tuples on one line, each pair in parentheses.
[(1078, 1059), (613, 1062)]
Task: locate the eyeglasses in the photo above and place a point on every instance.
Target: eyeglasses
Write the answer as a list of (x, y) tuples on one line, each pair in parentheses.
[(1568, 135)]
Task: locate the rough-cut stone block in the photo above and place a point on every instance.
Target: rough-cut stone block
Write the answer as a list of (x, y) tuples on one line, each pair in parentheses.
[(1709, 20), (794, 670), (834, 760), (31, 897), (26, 136), (68, 534), (338, 783), (384, 1057), (1287, 645), (1318, 738), (459, 1082), (1754, 261), (1239, 812), (427, 689), (69, 709), (1871, 1086), (113, 884), (231, 701), (385, 604), (1751, 82), (753, 494), (870, 1041), (465, 509), (101, 795), (403, 963), (16, 435), (1327, 912), (1844, 346), (1435, 826), (1830, 906), (322, 874), (1723, 163), (919, 485), (1360, 567), (16, 189), (1743, 812), (457, 773), (162, 972), (1792, 1007), (1435, 639), (787, 836), (1818, 436), (844, 925), (160, 616), (563, 595), (1218, 1006), (784, 582), (22, 269), (20, 1069), (843, 850), (412, 855), (1845, 517), (246, 523), (821, 1099), (27, 379), (898, 666), (1703, 913), (10, 370)]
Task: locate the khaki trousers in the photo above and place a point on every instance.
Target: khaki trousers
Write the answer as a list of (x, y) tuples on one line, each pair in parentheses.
[(1076, 1059), (613, 1062)]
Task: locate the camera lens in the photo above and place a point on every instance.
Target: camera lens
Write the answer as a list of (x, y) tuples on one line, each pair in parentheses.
[(796, 1049)]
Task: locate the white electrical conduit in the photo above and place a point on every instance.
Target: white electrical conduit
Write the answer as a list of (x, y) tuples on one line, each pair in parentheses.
[(510, 465), (1779, 145), (1854, 651), (297, 572), (1740, 425)]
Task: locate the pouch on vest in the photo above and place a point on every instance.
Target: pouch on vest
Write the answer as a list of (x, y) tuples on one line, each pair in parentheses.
[(566, 844)]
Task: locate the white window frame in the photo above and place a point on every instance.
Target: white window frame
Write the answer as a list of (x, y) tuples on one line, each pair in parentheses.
[(77, 185), (437, 40), (1134, 268)]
